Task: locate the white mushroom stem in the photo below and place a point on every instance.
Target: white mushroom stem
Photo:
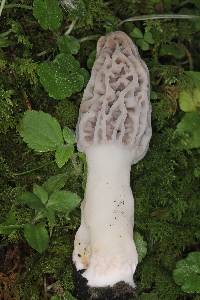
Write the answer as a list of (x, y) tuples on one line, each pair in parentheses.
[(108, 212)]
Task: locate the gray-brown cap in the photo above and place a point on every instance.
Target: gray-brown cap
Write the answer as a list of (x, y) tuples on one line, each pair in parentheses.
[(115, 107)]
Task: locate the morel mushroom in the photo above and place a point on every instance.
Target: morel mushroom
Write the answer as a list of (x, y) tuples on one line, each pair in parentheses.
[(114, 130)]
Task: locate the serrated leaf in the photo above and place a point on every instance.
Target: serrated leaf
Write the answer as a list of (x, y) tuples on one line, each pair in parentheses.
[(41, 193), (189, 130), (62, 77), (187, 273), (141, 246), (41, 131), (189, 100), (54, 183), (48, 13), (69, 136), (63, 201), (136, 33), (63, 154), (148, 37), (68, 44), (37, 236), (31, 200)]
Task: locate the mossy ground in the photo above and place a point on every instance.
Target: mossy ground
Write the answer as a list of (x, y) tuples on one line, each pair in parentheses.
[(166, 183)]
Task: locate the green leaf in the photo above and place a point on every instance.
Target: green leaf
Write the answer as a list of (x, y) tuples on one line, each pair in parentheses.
[(37, 236), (55, 183), (41, 131), (69, 136), (63, 201), (68, 296), (55, 298), (9, 225), (41, 193), (187, 273), (195, 76), (75, 9), (91, 59), (189, 130), (68, 44), (63, 154), (142, 44), (48, 13), (31, 200), (62, 77), (148, 37), (50, 215), (141, 246), (136, 33), (5, 42), (8, 229), (85, 75), (189, 100), (172, 50)]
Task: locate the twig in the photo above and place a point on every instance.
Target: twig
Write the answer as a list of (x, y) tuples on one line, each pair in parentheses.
[(159, 16), (26, 100), (42, 53), (89, 38), (33, 170), (45, 287), (19, 6), (189, 56), (2, 6), (69, 30)]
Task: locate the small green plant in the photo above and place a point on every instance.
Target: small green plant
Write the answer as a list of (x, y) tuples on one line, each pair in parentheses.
[(141, 246), (143, 40), (187, 273), (62, 77), (189, 100), (48, 13), (43, 133), (46, 202)]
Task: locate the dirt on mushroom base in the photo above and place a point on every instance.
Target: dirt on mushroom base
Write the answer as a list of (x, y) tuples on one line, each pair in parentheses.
[(120, 291)]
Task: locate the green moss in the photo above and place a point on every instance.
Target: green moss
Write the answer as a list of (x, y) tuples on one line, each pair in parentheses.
[(67, 113)]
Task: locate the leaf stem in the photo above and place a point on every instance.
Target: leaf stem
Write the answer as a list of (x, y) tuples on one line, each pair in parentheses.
[(33, 170), (2, 6), (159, 16)]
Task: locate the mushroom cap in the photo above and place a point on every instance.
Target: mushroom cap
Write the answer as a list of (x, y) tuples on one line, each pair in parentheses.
[(115, 107)]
